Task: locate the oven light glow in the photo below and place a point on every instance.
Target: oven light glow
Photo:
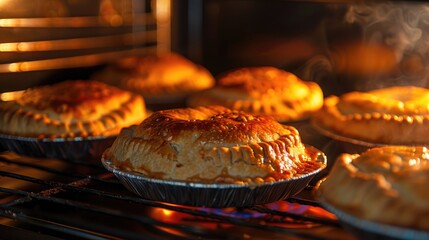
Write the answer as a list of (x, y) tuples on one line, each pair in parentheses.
[(10, 96), (20, 46), (19, 67), (13, 67), (7, 47), (163, 10), (425, 155), (4, 3)]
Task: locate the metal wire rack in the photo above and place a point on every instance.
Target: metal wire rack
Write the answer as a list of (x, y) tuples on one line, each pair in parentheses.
[(52, 39), (68, 200)]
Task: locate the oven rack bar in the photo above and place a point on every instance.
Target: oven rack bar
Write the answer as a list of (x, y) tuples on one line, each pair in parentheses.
[(78, 21), (98, 42), (83, 60)]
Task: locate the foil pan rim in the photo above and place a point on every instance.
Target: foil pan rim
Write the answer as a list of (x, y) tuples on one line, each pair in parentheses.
[(336, 136), (391, 231), (4, 136), (83, 149), (140, 176), (214, 195)]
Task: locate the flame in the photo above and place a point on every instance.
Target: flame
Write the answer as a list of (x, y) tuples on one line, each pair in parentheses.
[(320, 212), (175, 217), (229, 228), (167, 213)]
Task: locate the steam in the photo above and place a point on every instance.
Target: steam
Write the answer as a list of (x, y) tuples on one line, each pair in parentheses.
[(400, 27), (317, 69)]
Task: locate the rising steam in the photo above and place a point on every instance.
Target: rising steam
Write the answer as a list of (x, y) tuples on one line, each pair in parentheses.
[(401, 28)]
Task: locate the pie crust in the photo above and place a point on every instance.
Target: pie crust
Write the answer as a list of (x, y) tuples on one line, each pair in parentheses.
[(396, 115), (70, 109), (386, 185), (212, 145), (157, 78), (263, 90)]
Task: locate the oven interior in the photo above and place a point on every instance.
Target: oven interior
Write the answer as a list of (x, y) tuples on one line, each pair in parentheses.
[(53, 199), (317, 40)]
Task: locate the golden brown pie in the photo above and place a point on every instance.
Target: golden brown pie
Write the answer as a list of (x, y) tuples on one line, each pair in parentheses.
[(395, 115), (159, 79), (263, 90), (212, 145), (70, 109), (386, 185)]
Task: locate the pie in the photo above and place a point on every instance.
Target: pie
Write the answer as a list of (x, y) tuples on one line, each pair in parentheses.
[(263, 90), (74, 108), (396, 115), (158, 78), (386, 185), (213, 145)]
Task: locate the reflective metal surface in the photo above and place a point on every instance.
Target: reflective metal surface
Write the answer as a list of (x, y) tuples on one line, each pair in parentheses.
[(211, 195), (365, 229), (88, 149)]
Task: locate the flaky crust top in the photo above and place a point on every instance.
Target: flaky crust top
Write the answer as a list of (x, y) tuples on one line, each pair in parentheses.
[(71, 109), (212, 144), (71, 100), (261, 81), (395, 115), (263, 90), (214, 125), (386, 184), (152, 75), (405, 100)]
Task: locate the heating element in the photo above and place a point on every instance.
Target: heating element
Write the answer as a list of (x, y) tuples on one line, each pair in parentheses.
[(52, 198)]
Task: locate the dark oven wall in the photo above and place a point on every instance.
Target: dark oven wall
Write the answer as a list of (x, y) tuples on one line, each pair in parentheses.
[(342, 45)]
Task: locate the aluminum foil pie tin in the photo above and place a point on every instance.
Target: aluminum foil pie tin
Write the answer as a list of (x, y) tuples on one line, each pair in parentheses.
[(211, 195), (81, 149), (346, 144), (339, 137), (365, 229)]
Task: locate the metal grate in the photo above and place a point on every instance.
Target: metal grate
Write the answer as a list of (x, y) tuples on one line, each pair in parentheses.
[(79, 33), (66, 200), (43, 39)]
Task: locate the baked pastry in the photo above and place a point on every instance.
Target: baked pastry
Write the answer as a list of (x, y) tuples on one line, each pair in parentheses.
[(159, 79), (263, 90), (212, 145), (385, 185), (70, 109), (395, 115)]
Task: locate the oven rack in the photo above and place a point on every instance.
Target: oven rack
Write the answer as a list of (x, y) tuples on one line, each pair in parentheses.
[(69, 200), (74, 34)]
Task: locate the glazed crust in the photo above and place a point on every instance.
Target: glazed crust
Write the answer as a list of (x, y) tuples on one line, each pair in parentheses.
[(70, 109), (212, 144), (157, 78), (263, 90), (395, 115), (386, 185)]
